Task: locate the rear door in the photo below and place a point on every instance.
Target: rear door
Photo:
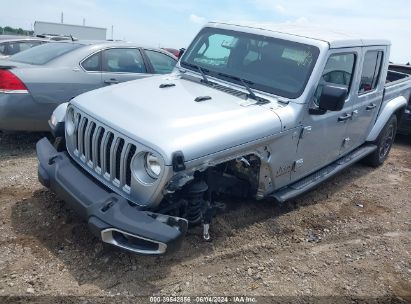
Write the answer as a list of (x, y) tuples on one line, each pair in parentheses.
[(123, 64), (369, 93), (89, 76)]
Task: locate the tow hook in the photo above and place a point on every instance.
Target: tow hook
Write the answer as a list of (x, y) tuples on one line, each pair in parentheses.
[(206, 233), (210, 212)]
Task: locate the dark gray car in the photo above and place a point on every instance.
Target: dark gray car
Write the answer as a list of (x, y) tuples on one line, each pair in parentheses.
[(34, 82)]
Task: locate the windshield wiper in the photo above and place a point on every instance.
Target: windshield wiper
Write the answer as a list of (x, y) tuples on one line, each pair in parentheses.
[(251, 93), (201, 70), (244, 83)]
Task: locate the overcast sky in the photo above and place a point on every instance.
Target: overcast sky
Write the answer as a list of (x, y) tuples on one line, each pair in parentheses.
[(173, 23)]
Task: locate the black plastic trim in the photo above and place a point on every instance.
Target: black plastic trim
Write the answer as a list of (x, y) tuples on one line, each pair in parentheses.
[(57, 130), (99, 206), (178, 161)]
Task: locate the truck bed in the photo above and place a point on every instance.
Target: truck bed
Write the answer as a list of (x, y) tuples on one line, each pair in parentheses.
[(398, 82)]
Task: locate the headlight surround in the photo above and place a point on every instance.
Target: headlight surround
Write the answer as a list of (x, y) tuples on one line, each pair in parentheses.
[(147, 167), (70, 121)]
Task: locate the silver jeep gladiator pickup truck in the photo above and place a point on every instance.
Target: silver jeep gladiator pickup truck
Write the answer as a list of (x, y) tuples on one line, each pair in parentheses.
[(250, 111)]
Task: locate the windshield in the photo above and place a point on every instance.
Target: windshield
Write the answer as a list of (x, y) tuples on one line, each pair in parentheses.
[(44, 53), (268, 64)]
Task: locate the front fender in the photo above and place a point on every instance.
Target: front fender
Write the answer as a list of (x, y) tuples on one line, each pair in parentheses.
[(56, 122), (387, 111)]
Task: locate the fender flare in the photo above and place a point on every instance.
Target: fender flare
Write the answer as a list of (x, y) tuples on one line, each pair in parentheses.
[(59, 113), (387, 111), (57, 119)]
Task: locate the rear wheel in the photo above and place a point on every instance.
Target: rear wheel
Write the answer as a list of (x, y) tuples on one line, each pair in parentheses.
[(384, 143)]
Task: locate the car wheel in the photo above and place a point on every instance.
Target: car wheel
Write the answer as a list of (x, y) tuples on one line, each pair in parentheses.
[(384, 143)]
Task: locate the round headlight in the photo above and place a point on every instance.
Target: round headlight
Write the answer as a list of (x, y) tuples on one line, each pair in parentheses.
[(70, 121), (152, 165)]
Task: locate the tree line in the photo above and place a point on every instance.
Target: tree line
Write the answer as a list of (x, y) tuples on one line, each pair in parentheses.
[(8, 30)]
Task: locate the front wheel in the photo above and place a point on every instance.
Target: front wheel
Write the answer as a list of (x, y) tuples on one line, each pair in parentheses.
[(384, 143)]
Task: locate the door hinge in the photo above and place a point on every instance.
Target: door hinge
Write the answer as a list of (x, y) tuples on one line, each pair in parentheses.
[(305, 131)]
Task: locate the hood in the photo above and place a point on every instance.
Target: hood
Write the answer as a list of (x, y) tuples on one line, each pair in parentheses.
[(169, 119)]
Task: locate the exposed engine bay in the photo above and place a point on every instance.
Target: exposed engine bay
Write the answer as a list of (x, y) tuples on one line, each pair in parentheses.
[(198, 200)]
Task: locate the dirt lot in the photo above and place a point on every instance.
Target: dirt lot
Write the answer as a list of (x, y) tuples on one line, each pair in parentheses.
[(352, 236)]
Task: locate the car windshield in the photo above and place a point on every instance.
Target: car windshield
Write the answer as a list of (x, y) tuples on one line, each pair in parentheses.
[(271, 65), (44, 53)]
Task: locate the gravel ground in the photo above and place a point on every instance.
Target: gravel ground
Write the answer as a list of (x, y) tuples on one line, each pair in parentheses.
[(350, 237)]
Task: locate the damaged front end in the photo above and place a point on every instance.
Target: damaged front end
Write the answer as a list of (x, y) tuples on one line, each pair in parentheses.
[(196, 195), (110, 217)]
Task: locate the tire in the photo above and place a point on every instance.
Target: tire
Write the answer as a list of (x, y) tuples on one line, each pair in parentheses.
[(384, 143)]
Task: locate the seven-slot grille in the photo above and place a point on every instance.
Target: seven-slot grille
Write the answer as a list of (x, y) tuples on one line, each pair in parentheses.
[(102, 150)]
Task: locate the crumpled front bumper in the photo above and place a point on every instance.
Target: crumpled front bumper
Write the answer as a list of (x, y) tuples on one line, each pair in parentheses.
[(110, 216)]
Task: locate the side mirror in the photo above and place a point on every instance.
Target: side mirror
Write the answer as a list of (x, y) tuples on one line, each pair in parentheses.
[(182, 50), (332, 99)]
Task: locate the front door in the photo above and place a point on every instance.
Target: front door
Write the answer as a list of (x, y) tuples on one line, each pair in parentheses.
[(323, 136), (123, 64), (369, 90)]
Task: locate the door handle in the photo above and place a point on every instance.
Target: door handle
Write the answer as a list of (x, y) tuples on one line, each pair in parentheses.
[(371, 106), (345, 117), (111, 81)]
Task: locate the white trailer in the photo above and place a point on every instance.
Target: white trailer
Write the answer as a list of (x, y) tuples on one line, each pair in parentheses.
[(77, 31)]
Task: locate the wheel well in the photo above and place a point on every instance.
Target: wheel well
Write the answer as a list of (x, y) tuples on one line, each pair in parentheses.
[(238, 177), (399, 113)]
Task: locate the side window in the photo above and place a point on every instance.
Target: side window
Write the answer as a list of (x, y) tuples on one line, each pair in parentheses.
[(2, 48), (371, 71), (92, 63), (338, 70), (162, 64), (123, 61)]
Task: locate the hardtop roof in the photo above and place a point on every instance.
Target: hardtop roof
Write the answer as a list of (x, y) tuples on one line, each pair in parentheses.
[(335, 38)]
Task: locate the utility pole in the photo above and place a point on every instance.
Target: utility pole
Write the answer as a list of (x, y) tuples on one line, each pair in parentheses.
[(84, 21), (62, 17), (112, 32)]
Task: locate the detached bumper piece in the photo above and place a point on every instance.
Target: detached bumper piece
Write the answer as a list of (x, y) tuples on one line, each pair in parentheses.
[(110, 217)]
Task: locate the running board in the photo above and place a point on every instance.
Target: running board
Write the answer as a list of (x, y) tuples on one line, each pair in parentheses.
[(316, 178)]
